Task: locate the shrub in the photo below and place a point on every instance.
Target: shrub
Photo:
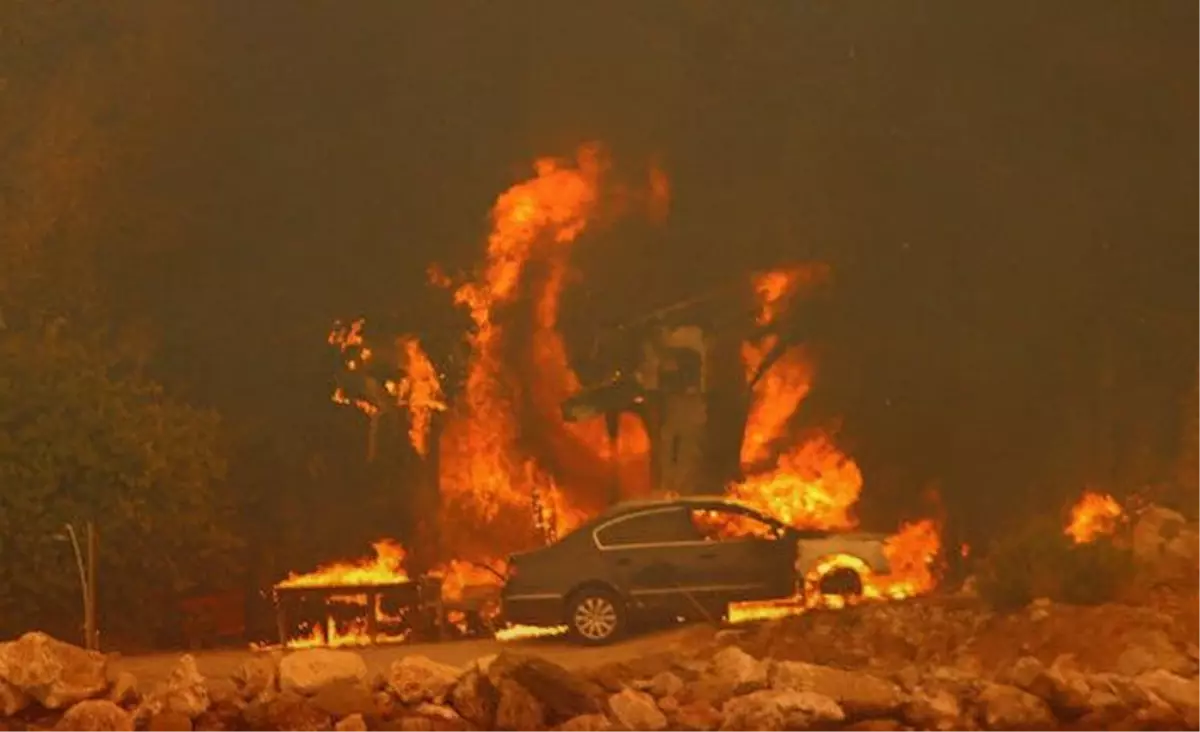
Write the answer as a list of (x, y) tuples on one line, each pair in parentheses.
[(1043, 562)]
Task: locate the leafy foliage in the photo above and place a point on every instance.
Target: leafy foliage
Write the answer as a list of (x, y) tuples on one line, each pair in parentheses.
[(83, 438), (1043, 562)]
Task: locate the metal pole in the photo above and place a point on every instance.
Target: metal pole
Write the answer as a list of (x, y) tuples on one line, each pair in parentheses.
[(90, 627)]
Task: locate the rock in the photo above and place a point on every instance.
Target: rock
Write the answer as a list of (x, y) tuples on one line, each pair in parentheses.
[(699, 716), (287, 711), (184, 691), (96, 715), (860, 695), (665, 684), (223, 692), (124, 689), (257, 676), (636, 710), (352, 723), (1040, 609), (562, 694), (343, 698), (517, 708), (54, 673), (882, 724), (1006, 707), (1065, 689), (1182, 694), (415, 679), (586, 723), (708, 689), (385, 705), (12, 699), (744, 672), (728, 636), (304, 672), (474, 698), (212, 722), (169, 722), (908, 678), (775, 709), (1151, 649), (1154, 529), (934, 710)]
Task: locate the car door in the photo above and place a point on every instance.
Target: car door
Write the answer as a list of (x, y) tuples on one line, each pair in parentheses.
[(651, 554), (744, 556)]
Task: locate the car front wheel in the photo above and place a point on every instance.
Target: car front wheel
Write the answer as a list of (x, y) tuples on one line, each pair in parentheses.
[(595, 616)]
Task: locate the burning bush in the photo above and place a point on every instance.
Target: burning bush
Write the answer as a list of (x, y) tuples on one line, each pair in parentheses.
[(1043, 561)]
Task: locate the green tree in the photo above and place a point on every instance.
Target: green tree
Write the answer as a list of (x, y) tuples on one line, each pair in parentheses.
[(82, 438)]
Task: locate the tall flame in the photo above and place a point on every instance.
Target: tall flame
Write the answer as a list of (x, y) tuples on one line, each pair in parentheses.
[(487, 478), (420, 390), (387, 566), (810, 483)]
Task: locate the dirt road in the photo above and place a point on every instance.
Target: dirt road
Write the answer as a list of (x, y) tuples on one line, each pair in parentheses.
[(151, 668)]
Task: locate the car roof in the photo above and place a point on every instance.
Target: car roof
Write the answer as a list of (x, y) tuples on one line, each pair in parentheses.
[(680, 501)]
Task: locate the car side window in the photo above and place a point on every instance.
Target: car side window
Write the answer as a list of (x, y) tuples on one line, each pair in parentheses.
[(652, 527), (718, 525)]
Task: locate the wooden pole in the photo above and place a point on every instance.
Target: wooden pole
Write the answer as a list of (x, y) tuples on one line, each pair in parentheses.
[(91, 631)]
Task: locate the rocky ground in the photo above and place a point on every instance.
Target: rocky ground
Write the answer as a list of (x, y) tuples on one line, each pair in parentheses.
[(936, 664)]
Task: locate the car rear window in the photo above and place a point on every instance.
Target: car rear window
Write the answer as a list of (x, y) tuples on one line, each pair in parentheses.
[(654, 527)]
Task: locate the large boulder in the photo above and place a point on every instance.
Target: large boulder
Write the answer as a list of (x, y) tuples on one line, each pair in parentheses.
[(774, 709), (286, 711), (1006, 707), (860, 695), (344, 698), (54, 673), (636, 710), (934, 709), (256, 676), (124, 690), (743, 672), (304, 672), (1182, 694), (415, 679), (183, 692), (12, 699), (562, 694), (586, 723), (697, 716), (517, 708), (474, 697), (96, 715)]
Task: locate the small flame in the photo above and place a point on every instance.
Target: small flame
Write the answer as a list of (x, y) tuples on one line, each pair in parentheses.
[(1095, 515)]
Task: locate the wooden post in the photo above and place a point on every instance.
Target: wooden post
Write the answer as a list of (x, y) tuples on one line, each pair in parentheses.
[(91, 630)]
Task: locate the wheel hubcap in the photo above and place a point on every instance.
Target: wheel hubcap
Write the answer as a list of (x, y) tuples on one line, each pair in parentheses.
[(595, 618)]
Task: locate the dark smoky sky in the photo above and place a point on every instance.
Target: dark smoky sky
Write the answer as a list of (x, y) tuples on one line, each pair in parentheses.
[(1006, 191)]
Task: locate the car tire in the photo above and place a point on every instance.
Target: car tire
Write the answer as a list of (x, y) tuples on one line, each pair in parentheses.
[(843, 582), (595, 616)]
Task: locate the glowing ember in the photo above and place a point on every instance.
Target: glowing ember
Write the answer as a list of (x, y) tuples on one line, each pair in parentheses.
[(1095, 515)]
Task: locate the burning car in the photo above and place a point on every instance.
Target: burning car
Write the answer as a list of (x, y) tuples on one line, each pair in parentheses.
[(685, 557)]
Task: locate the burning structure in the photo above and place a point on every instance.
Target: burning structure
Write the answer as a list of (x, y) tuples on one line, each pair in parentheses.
[(699, 397)]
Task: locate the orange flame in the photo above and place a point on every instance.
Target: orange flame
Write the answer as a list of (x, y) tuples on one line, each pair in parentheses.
[(812, 483), (1093, 516), (420, 389), (385, 567)]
